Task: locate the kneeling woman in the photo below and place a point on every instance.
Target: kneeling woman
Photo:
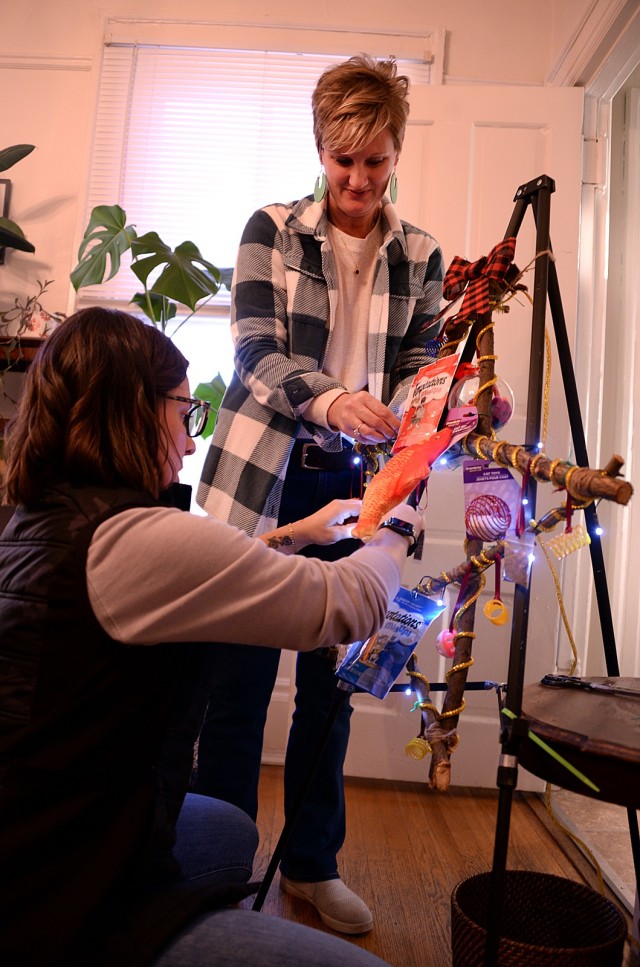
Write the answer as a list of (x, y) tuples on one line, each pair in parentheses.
[(106, 589)]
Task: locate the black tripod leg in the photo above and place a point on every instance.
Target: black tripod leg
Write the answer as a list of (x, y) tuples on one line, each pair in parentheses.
[(514, 730), (582, 460), (343, 691)]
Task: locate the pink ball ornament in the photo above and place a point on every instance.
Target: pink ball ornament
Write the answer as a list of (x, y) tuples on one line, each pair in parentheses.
[(487, 518), (445, 644), (464, 390)]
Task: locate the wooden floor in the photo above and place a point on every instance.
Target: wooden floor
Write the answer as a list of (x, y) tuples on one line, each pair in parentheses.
[(407, 847)]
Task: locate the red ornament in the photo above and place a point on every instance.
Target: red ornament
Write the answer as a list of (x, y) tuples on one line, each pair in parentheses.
[(445, 644)]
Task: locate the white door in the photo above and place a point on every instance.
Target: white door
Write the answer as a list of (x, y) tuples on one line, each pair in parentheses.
[(466, 151)]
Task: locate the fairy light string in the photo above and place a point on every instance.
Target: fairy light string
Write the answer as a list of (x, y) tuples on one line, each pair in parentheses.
[(430, 728), (582, 485), (472, 581), (432, 731)]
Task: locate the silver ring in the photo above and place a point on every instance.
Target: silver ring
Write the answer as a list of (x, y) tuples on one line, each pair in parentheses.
[(356, 432)]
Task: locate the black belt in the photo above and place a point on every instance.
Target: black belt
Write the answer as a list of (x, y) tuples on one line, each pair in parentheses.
[(310, 456)]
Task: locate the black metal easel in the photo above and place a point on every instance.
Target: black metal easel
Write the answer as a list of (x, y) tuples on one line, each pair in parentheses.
[(537, 193)]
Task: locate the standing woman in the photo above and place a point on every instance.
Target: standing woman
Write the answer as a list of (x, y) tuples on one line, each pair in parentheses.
[(333, 302)]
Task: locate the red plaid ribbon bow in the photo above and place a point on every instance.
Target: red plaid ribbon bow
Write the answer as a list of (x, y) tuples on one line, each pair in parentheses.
[(475, 276)]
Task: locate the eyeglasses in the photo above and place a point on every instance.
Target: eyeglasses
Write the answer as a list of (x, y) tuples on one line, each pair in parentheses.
[(196, 418)]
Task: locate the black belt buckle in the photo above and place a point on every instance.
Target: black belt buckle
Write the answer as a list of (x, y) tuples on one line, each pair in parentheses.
[(305, 456)]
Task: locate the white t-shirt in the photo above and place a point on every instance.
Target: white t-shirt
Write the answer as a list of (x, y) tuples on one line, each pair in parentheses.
[(346, 358)]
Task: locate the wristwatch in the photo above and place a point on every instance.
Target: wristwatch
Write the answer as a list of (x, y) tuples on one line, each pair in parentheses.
[(404, 528)]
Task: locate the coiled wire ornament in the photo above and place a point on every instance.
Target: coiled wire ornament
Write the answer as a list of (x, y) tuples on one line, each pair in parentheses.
[(568, 542)]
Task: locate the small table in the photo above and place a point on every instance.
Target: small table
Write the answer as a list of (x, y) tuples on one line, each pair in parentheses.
[(598, 733)]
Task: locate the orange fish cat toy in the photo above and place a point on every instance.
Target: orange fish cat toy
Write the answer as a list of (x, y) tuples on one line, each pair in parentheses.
[(397, 479)]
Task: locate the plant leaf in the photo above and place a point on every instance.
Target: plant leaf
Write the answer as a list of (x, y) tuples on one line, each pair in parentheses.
[(213, 392), (226, 275), (107, 234), (157, 308), (182, 279), (13, 237), (11, 156)]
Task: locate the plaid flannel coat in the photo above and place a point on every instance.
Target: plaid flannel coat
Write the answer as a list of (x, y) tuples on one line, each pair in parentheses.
[(284, 297)]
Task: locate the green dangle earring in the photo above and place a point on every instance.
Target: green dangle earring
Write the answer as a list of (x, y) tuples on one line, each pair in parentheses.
[(393, 187), (320, 189)]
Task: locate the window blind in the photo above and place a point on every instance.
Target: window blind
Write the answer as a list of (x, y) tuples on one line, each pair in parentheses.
[(190, 141)]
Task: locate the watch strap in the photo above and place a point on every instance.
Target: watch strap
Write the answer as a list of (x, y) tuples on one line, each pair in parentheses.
[(403, 527)]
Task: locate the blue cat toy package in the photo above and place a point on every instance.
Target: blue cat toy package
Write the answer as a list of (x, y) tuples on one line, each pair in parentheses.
[(375, 664)]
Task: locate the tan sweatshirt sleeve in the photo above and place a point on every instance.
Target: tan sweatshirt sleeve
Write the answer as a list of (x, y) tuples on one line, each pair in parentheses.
[(161, 575)]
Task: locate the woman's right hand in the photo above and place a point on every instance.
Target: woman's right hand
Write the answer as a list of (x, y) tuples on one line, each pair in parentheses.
[(363, 418)]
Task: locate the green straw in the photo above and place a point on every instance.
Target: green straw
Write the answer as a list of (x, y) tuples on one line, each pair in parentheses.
[(552, 752)]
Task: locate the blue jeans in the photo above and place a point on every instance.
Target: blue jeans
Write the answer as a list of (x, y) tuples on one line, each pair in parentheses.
[(243, 938), (243, 677), (215, 838), (232, 937)]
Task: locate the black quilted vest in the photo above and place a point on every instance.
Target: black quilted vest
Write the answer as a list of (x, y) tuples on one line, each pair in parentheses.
[(96, 741)]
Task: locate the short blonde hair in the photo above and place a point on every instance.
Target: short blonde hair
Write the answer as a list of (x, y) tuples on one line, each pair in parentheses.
[(355, 100)]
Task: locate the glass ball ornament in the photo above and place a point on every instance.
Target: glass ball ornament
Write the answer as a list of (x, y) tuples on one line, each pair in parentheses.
[(464, 390)]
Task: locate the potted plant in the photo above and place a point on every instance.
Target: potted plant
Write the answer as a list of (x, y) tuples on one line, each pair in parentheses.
[(11, 236), (170, 277), (26, 319), (24, 323)]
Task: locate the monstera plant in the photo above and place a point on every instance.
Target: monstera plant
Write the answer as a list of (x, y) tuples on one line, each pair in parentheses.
[(186, 277), (170, 277)]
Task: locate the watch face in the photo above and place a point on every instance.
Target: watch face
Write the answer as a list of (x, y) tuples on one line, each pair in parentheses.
[(401, 526)]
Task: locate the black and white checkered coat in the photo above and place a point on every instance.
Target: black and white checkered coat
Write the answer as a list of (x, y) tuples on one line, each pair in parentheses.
[(284, 298)]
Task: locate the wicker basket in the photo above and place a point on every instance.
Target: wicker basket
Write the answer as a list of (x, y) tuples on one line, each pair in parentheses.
[(545, 920)]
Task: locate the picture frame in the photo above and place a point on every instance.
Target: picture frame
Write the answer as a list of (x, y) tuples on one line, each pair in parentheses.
[(5, 200)]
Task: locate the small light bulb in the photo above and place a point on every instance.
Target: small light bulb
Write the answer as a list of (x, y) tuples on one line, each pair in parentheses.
[(599, 531), (440, 603), (525, 501), (407, 690), (540, 445), (356, 461), (443, 461), (532, 558)]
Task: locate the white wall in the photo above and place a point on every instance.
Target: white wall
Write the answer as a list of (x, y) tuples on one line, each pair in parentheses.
[(50, 59)]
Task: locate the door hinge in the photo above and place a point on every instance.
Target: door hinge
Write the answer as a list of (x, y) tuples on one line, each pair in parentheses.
[(594, 161)]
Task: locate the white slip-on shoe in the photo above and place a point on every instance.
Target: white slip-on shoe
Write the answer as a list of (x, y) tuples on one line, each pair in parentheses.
[(339, 907)]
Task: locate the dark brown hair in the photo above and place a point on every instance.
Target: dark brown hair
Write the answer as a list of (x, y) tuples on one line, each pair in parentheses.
[(88, 413), (357, 99)]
